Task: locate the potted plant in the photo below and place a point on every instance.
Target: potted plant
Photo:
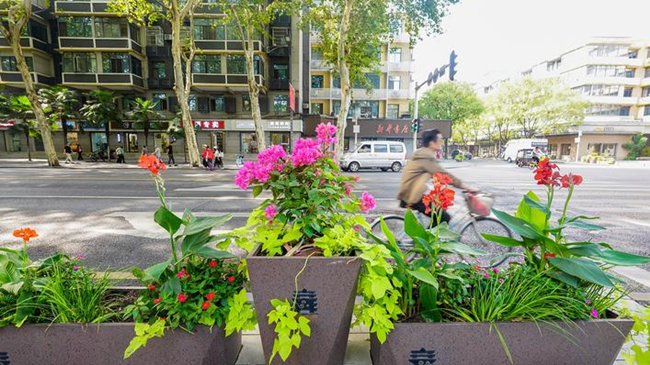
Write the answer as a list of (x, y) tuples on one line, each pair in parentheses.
[(552, 307), (192, 292), (307, 251)]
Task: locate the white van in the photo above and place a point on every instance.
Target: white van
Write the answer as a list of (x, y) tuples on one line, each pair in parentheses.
[(512, 146), (383, 155)]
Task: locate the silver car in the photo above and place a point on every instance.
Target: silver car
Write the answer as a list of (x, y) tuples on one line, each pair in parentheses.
[(382, 155)]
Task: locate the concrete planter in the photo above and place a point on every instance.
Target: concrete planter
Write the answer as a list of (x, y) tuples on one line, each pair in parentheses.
[(582, 343), (326, 293), (104, 344)]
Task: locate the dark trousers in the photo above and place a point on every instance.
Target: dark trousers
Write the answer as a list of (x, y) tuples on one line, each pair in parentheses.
[(420, 207), (120, 159), (79, 156), (171, 160)]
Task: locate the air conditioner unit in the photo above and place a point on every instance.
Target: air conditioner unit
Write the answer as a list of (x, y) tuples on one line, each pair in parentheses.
[(167, 37)]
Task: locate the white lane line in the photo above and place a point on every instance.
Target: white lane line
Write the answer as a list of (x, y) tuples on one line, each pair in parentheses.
[(637, 223), (637, 274)]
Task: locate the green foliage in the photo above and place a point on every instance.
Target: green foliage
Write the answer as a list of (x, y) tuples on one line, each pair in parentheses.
[(143, 333), (289, 326), (59, 102), (636, 146), (142, 113), (241, 315), (638, 353), (101, 108)]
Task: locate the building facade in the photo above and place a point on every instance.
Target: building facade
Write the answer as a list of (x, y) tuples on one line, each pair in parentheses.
[(83, 46), (613, 74)]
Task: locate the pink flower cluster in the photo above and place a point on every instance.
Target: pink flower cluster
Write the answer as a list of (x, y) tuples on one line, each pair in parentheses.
[(270, 212), (325, 133), (367, 202), (268, 161), (306, 152)]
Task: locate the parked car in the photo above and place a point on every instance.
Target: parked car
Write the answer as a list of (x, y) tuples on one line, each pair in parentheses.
[(383, 155)]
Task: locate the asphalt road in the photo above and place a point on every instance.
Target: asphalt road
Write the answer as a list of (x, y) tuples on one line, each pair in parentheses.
[(106, 213)]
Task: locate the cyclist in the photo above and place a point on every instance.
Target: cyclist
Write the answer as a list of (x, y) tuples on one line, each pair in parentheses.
[(418, 173)]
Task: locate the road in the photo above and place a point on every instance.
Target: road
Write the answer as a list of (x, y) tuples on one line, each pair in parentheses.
[(106, 213)]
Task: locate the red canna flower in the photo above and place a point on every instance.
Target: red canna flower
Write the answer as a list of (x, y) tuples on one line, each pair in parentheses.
[(442, 178), (152, 287), (152, 163), (570, 179), (156, 301), (441, 196), (210, 296), (231, 279), (213, 264), (206, 305), (545, 174), (25, 233), (182, 297), (548, 255)]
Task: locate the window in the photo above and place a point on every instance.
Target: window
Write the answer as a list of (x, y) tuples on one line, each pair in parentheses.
[(395, 55), (155, 36), (38, 31), (629, 74), (365, 148), (280, 37), (219, 103), (280, 72), (607, 71), (336, 82), (374, 80), (396, 27), (647, 110), (246, 102), (381, 148), (396, 148), (160, 100), (192, 102), (603, 149), (76, 27), (9, 63), (316, 54), (647, 70), (565, 149), (135, 33), (116, 62), (208, 30), (248, 142), (281, 139), (627, 92), (317, 81), (159, 70), (368, 109), (317, 108), (393, 111), (646, 92), (236, 64), (79, 62), (394, 82), (608, 109), (633, 54), (111, 27), (599, 90), (608, 50), (210, 64), (281, 103), (553, 65)]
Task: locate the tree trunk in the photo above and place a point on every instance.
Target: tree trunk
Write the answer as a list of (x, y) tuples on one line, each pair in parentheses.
[(64, 125), (254, 93), (29, 146), (182, 94), (108, 139), (344, 72), (30, 90)]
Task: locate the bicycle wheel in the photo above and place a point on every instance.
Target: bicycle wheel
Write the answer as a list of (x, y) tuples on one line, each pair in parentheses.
[(471, 236), (396, 226)]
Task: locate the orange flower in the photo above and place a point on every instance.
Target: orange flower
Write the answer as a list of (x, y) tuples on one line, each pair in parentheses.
[(152, 163), (25, 233), (442, 179)]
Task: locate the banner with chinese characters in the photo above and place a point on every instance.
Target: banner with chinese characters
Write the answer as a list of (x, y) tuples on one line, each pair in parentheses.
[(381, 128), (6, 124)]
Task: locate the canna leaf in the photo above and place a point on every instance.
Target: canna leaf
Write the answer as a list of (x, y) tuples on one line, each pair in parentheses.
[(583, 269)]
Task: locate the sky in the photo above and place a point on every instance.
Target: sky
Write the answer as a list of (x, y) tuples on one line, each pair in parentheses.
[(494, 38)]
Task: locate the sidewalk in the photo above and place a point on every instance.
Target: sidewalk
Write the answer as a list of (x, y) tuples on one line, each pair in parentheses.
[(622, 164), (42, 163)]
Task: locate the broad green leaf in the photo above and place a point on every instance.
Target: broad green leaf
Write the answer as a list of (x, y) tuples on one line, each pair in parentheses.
[(571, 219), (168, 220), (211, 253), (502, 240), (193, 242), (172, 285), (534, 202), (619, 258), (389, 235), (155, 271), (583, 269), (531, 214), (517, 225), (585, 250), (412, 226), (585, 225), (565, 278), (198, 224), (257, 190), (450, 275), (429, 300), (424, 275), (444, 233), (460, 248)]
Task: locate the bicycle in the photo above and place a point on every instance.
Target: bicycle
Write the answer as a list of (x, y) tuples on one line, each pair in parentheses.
[(469, 227)]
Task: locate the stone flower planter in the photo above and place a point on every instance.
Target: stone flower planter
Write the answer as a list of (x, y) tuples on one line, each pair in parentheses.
[(104, 344), (582, 343), (326, 293)]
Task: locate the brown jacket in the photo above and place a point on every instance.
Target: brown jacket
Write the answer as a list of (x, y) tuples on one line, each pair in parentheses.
[(417, 172)]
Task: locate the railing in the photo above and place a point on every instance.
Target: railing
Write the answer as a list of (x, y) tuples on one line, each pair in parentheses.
[(225, 45), (106, 79), (27, 42), (318, 65), (74, 43), (360, 94), (399, 66), (223, 79), (80, 6), (16, 77), (615, 99)]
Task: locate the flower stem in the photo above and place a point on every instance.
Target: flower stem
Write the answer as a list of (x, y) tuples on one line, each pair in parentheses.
[(172, 240)]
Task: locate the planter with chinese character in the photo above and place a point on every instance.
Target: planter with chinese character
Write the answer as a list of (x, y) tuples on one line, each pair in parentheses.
[(326, 294), (104, 344), (594, 342)]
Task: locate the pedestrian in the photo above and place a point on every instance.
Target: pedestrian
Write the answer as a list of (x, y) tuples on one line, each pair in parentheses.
[(68, 153), (208, 157), (170, 155), (120, 154), (145, 151), (80, 157), (156, 152), (218, 158)]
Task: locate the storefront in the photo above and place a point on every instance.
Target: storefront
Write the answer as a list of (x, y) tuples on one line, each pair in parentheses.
[(9, 142), (564, 146)]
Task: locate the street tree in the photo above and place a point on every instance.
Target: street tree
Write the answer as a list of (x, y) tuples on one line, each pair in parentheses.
[(142, 113), (352, 32), (635, 146), (454, 101), (539, 106), (60, 103), (251, 19), (101, 109), (500, 120), (14, 20), (19, 108), (183, 49)]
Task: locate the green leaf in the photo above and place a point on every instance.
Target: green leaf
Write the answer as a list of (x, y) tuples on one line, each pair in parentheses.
[(168, 220), (583, 269), (529, 212), (585, 225), (257, 190), (199, 224), (412, 226), (517, 225), (565, 278), (424, 275), (619, 258), (193, 242), (534, 202), (460, 248), (155, 271), (505, 241), (429, 300), (172, 285), (587, 250), (211, 253)]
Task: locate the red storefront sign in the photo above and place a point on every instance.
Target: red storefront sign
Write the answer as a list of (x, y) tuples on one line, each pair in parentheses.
[(209, 124), (6, 124), (392, 128), (292, 98)]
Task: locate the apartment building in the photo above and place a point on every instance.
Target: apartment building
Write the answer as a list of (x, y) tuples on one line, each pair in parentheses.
[(613, 74), (83, 46), (385, 104)]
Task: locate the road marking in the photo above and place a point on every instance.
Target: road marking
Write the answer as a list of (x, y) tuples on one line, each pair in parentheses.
[(218, 198), (642, 224), (634, 273)]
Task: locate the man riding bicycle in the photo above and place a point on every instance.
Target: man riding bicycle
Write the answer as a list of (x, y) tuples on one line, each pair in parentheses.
[(419, 171)]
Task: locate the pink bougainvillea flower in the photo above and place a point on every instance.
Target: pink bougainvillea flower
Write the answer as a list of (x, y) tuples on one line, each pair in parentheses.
[(76, 268), (367, 202), (485, 273), (496, 271), (305, 152), (245, 175), (270, 212), (594, 313), (325, 133)]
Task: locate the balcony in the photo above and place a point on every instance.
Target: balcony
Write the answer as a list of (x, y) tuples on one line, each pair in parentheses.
[(645, 81), (318, 65), (399, 94), (645, 100), (588, 80), (28, 42), (80, 7), (404, 66), (14, 78), (98, 44), (213, 82), (225, 45), (626, 61), (357, 94), (619, 100), (113, 81), (159, 51)]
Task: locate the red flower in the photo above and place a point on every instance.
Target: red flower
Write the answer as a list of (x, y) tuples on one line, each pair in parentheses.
[(183, 274), (210, 296), (440, 197), (231, 279), (545, 175), (442, 179), (548, 255), (152, 163), (570, 179), (156, 301), (206, 305), (152, 287), (182, 297), (213, 264), (25, 233)]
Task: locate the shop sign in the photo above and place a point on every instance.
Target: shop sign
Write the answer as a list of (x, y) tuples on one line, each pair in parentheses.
[(279, 124), (392, 128), (87, 126), (6, 124), (245, 124), (209, 124)]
